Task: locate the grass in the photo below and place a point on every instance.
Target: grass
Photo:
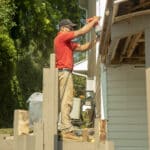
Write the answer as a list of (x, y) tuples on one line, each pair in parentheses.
[(6, 131)]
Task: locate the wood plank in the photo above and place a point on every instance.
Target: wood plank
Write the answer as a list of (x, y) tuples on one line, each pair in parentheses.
[(38, 132), (46, 108), (97, 98), (125, 48), (5, 143), (50, 105), (104, 39), (131, 15), (20, 142), (112, 49), (141, 5), (97, 131), (133, 44), (147, 51), (71, 145), (127, 28), (115, 11), (21, 122), (103, 124), (30, 142), (50, 108), (52, 61)]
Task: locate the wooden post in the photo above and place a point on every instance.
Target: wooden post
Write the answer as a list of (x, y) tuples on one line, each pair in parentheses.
[(21, 129), (50, 105), (38, 132), (103, 131), (147, 58), (96, 134), (21, 122)]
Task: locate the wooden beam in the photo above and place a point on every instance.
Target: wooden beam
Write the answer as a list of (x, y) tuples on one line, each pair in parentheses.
[(147, 56), (142, 5), (126, 28), (141, 58), (115, 11), (141, 40), (112, 49), (142, 1), (130, 15), (133, 44), (105, 35), (125, 48)]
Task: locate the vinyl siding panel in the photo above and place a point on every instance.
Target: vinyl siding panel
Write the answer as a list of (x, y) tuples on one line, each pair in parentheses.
[(126, 108)]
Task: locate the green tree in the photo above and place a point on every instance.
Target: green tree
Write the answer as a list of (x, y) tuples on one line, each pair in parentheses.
[(27, 30), (36, 26), (10, 97)]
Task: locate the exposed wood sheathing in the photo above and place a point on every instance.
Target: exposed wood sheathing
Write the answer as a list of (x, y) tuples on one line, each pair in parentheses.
[(124, 49)]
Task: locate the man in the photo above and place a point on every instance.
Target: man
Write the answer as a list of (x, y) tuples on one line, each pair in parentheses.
[(64, 48)]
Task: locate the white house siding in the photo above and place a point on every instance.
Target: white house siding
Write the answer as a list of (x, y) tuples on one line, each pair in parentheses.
[(126, 107)]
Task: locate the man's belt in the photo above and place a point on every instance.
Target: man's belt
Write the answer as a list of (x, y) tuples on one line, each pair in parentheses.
[(64, 69)]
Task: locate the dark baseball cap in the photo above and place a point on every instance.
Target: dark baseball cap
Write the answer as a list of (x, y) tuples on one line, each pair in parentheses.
[(66, 22)]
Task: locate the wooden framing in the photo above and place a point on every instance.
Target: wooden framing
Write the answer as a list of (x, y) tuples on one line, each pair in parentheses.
[(115, 10), (125, 48), (21, 122), (131, 15), (106, 28), (141, 5), (38, 133), (45, 136), (147, 50), (133, 44), (127, 28), (113, 48), (50, 105)]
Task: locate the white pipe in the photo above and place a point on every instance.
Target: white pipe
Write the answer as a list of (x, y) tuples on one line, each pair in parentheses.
[(79, 74)]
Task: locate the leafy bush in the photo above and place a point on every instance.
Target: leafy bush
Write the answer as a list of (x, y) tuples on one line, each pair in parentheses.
[(9, 89)]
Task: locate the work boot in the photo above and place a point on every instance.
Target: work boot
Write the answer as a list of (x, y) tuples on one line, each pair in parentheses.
[(70, 135)]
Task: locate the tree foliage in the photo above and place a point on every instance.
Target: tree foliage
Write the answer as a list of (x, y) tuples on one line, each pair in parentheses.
[(27, 30), (9, 87), (7, 11)]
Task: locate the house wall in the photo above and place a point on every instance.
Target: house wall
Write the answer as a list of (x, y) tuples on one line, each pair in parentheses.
[(126, 107)]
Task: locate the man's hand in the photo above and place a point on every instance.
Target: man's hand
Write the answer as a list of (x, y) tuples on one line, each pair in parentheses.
[(91, 23), (94, 19)]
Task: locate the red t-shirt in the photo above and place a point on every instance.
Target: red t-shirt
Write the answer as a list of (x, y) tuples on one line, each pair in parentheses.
[(64, 47)]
